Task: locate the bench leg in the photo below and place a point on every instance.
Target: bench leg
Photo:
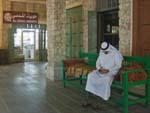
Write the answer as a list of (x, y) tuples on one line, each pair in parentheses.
[(125, 105), (125, 96), (64, 83), (81, 80), (147, 93)]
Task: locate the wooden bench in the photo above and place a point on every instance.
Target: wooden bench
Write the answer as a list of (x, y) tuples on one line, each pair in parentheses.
[(86, 62), (127, 82), (135, 72)]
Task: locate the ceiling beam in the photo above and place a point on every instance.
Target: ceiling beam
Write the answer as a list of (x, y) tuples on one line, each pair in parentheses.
[(30, 1)]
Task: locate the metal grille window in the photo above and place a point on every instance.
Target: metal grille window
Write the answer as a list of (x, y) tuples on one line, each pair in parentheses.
[(103, 5), (108, 22)]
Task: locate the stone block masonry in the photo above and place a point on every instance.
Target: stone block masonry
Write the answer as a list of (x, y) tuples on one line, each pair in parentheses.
[(125, 26)]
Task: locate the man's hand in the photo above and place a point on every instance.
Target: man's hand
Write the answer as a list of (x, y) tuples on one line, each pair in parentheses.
[(103, 71)]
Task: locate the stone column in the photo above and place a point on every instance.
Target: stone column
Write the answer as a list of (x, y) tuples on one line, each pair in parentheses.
[(125, 26), (1, 22), (6, 27), (56, 37), (85, 24)]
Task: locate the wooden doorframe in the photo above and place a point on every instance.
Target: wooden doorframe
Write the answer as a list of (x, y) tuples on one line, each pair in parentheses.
[(136, 22)]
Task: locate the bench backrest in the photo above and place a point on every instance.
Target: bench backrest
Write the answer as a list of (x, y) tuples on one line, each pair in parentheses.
[(141, 60), (90, 58)]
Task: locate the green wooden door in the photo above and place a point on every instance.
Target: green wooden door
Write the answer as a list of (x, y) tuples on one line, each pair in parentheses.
[(74, 31), (92, 31)]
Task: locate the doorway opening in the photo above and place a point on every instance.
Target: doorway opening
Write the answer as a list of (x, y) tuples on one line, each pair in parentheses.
[(29, 43), (24, 43)]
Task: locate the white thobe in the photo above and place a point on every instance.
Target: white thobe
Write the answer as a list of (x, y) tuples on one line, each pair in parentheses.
[(100, 84)]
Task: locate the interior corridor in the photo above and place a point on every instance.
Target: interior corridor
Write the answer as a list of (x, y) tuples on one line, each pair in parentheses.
[(25, 89)]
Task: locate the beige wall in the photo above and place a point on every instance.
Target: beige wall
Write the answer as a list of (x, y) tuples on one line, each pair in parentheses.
[(4, 5), (1, 22), (39, 8), (6, 27)]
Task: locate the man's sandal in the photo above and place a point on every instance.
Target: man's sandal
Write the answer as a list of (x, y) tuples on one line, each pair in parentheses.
[(85, 105)]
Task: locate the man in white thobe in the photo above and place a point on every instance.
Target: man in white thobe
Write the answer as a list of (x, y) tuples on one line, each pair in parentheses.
[(107, 66)]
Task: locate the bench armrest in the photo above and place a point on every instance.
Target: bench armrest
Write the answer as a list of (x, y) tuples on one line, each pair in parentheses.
[(135, 71)]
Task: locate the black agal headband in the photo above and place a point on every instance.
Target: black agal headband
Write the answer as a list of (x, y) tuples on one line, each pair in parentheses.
[(104, 46)]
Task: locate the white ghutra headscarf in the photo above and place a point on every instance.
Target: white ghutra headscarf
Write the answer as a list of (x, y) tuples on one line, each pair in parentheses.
[(108, 47)]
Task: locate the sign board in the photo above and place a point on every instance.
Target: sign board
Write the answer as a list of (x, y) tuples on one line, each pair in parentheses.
[(20, 17)]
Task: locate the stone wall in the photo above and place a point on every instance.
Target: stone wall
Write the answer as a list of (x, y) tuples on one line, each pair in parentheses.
[(6, 27), (125, 26)]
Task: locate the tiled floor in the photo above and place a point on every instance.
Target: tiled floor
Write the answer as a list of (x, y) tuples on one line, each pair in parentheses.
[(25, 89)]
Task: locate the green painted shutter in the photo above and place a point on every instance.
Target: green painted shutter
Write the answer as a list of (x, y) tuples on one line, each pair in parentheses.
[(74, 31), (92, 31)]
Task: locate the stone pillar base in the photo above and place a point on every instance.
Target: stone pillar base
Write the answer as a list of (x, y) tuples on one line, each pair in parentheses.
[(54, 72)]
